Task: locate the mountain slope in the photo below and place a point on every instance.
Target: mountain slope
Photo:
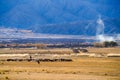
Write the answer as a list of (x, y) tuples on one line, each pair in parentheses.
[(87, 28), (76, 17)]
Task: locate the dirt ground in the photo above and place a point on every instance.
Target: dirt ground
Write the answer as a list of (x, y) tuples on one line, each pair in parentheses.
[(81, 68), (58, 50), (53, 76), (115, 50)]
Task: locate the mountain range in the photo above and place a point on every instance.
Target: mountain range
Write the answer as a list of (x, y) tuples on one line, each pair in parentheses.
[(64, 17)]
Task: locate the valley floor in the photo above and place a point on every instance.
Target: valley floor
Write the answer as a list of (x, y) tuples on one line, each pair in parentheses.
[(81, 68)]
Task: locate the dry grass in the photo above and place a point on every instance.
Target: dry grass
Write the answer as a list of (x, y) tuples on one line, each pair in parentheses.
[(105, 50), (115, 50), (106, 68), (30, 51), (81, 68)]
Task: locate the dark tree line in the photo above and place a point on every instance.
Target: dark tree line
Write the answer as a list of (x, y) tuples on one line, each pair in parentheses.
[(106, 44)]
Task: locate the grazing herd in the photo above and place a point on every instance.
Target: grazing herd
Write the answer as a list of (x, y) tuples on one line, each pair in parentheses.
[(42, 60)]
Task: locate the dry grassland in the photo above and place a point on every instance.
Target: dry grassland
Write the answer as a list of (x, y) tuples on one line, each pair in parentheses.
[(80, 69), (33, 51), (115, 50)]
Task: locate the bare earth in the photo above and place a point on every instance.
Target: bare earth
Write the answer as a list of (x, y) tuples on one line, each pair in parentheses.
[(81, 68), (53, 76)]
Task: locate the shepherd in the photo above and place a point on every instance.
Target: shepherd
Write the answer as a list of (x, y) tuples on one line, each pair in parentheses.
[(38, 61), (30, 58)]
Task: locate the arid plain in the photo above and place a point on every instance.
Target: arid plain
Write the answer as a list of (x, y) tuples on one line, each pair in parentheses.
[(81, 67)]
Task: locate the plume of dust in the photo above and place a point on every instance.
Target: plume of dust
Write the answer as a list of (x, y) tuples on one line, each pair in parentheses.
[(100, 36), (103, 38)]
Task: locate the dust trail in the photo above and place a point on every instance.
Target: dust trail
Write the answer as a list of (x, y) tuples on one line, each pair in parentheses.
[(100, 36)]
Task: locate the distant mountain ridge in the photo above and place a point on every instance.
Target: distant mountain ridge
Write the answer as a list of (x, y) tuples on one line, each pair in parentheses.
[(66, 17), (87, 28)]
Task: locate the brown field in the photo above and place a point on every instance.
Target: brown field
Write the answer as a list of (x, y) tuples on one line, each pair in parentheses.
[(59, 50), (115, 50), (32, 51), (81, 68)]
